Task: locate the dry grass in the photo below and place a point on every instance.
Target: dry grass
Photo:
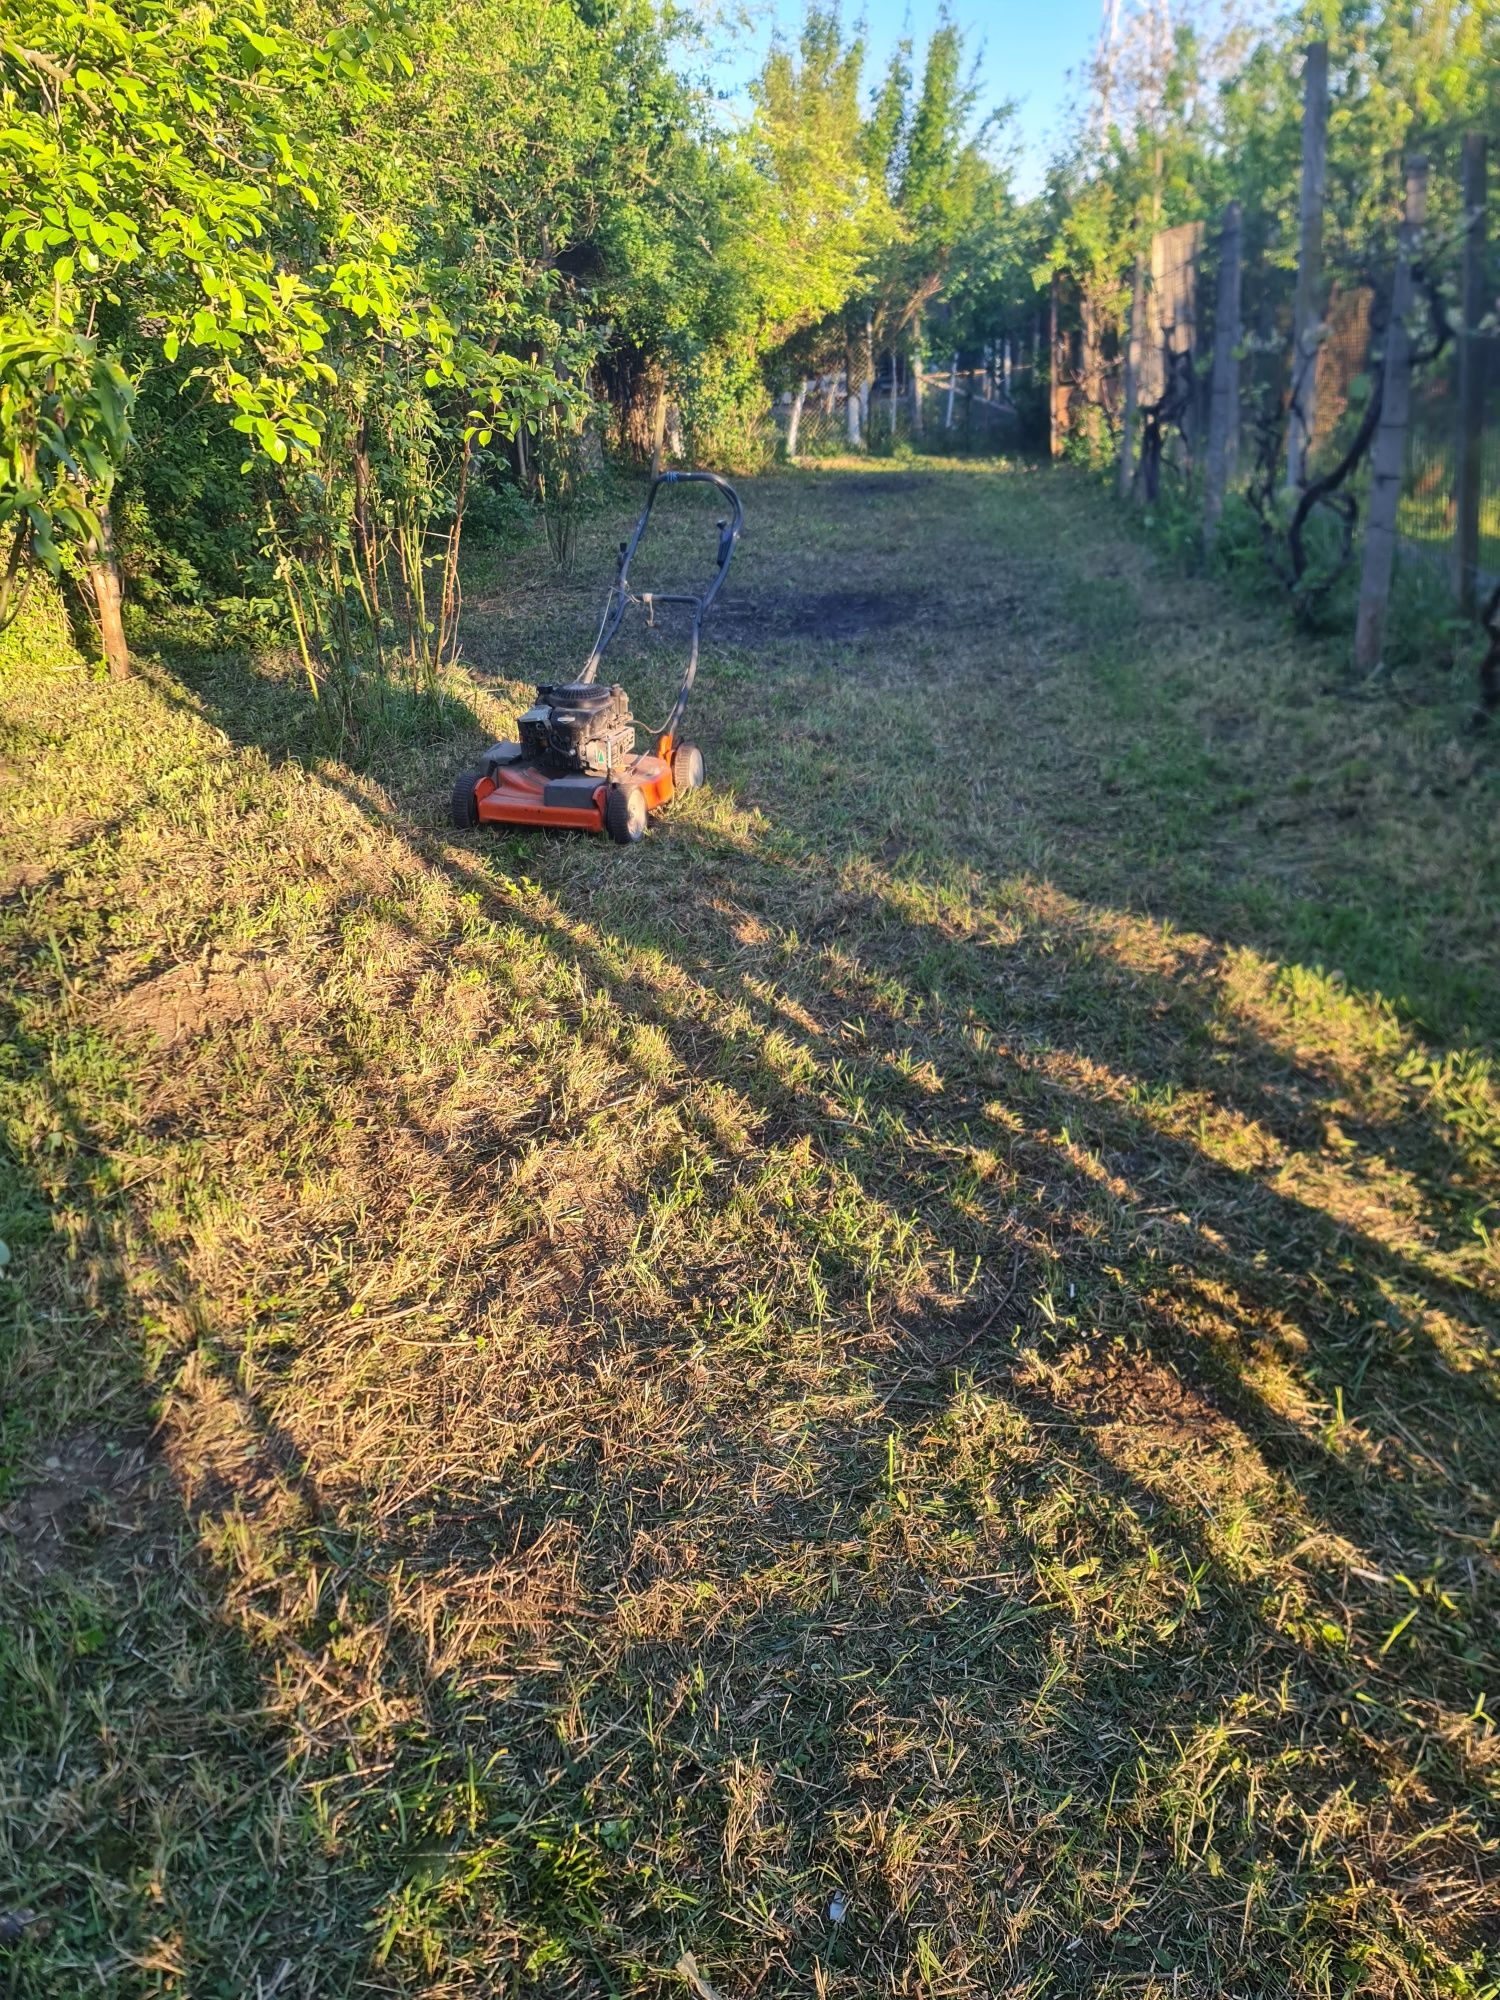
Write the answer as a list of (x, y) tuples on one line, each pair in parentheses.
[(892, 1393)]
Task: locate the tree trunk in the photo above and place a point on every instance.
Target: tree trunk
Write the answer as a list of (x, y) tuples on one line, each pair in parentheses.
[(1388, 454), (794, 422), (1471, 384), (952, 392), (895, 391), (1309, 308), (1055, 436), (851, 396), (658, 428), (363, 520), (916, 380), (1224, 404), (104, 581), (1092, 369)]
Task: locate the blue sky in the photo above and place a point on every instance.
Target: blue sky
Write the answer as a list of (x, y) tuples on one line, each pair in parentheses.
[(1030, 46)]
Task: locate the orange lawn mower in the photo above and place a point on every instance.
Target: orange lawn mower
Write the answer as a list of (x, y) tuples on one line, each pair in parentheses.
[(576, 764)]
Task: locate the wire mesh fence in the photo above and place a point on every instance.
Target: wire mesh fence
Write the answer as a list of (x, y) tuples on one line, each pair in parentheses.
[(1428, 514), (1310, 412), (964, 412)]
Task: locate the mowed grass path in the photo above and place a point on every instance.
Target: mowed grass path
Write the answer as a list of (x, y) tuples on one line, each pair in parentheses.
[(893, 1392)]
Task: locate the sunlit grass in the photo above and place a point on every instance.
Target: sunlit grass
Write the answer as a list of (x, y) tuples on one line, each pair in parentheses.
[(921, 1346)]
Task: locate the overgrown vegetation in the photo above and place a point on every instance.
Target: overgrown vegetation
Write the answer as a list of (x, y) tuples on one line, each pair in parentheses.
[(347, 267), (1181, 122), (891, 1392)]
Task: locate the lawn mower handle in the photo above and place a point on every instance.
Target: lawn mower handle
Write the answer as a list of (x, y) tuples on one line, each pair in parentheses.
[(621, 596)]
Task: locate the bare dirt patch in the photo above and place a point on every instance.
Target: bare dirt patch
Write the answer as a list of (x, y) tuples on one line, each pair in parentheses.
[(839, 615), (24, 876), (218, 990), (874, 486), (78, 1475)]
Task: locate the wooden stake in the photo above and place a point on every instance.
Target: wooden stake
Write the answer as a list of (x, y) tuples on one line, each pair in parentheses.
[(1224, 394), (1471, 382), (1132, 376), (1309, 308), (1388, 455)]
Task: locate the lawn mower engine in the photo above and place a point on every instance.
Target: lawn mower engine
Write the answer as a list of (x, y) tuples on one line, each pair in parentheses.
[(578, 726)]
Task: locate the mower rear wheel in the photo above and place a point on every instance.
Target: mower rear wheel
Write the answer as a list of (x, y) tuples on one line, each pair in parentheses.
[(625, 813), (464, 811), (687, 768)]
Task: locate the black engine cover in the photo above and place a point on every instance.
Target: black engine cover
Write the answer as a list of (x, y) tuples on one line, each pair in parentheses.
[(578, 726)]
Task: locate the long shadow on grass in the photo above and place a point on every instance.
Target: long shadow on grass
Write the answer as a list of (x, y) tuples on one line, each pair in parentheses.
[(1230, 1258), (136, 1745), (1201, 1270)]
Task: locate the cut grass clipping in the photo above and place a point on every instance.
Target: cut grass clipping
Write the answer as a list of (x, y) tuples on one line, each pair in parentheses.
[(892, 1392)]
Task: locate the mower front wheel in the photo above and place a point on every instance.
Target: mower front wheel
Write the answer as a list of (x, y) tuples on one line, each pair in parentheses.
[(625, 814), (464, 811), (687, 768)]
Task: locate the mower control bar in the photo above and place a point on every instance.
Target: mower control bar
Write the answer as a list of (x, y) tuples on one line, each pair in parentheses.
[(621, 596)]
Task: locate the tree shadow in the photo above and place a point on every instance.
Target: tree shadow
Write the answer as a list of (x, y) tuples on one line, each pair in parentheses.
[(1380, 1508), (696, 1668)]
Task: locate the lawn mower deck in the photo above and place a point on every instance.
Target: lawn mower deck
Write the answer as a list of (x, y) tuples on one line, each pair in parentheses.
[(508, 791), (575, 764)]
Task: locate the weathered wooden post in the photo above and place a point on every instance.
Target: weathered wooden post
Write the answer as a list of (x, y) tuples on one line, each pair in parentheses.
[(1132, 376), (1309, 307), (852, 396), (1471, 382), (952, 391), (1388, 455), (867, 383), (916, 380), (1224, 394)]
